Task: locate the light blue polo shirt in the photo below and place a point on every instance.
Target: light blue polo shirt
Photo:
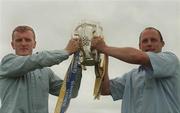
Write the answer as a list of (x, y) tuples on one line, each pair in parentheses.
[(154, 89), (26, 81)]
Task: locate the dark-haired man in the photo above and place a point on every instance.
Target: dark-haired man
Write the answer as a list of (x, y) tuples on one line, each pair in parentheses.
[(154, 87)]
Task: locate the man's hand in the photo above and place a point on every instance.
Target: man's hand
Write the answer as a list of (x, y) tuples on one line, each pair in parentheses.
[(73, 45), (98, 43)]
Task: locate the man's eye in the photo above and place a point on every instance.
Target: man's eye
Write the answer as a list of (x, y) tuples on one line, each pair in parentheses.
[(153, 40), (28, 40), (18, 40), (145, 41)]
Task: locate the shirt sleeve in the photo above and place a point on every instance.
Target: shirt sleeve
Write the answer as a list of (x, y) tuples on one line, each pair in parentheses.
[(56, 83), (163, 64), (14, 66), (117, 86)]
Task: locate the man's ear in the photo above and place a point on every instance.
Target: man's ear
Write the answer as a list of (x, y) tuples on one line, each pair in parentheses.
[(34, 44), (163, 43), (12, 44), (139, 46)]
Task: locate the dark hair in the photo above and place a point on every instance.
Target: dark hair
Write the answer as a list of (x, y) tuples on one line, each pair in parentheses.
[(152, 28), (22, 29)]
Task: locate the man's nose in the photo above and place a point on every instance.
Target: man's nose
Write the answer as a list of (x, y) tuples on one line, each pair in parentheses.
[(23, 42), (149, 43)]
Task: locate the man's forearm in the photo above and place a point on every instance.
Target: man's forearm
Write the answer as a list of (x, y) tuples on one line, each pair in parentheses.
[(105, 86), (127, 54), (14, 65)]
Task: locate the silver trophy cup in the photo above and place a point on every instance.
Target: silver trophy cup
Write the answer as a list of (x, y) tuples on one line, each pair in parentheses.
[(86, 31)]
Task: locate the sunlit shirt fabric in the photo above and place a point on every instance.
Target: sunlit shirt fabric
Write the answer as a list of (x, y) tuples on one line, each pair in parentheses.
[(153, 89), (26, 81)]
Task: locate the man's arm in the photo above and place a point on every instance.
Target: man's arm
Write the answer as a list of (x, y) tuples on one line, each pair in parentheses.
[(14, 66), (126, 54), (105, 86)]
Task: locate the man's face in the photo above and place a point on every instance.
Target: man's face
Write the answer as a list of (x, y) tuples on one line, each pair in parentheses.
[(150, 41), (23, 43)]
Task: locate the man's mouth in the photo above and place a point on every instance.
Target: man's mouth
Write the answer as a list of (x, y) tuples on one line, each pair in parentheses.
[(24, 49), (150, 50)]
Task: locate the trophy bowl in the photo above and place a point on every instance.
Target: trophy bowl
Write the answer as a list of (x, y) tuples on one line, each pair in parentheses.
[(86, 31)]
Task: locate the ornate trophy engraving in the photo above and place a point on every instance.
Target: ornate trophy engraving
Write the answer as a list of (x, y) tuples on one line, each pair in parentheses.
[(88, 56), (86, 31)]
